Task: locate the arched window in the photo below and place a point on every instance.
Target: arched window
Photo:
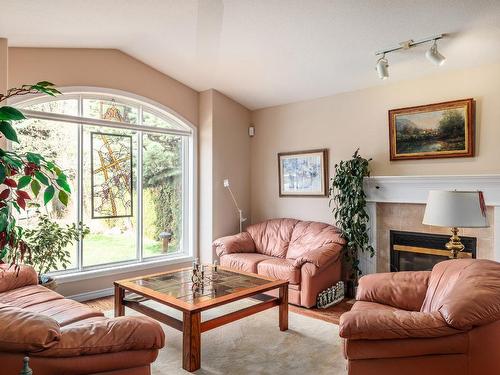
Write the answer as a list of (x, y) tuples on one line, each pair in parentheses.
[(130, 163)]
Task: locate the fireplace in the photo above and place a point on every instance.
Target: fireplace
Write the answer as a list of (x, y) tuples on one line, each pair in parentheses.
[(413, 251)]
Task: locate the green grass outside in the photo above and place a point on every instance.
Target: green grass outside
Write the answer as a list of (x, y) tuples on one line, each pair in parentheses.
[(106, 248)]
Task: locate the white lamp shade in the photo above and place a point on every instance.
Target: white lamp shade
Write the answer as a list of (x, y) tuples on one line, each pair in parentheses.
[(461, 209)]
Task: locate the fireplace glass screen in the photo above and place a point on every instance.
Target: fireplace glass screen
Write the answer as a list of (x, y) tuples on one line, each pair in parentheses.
[(412, 251)]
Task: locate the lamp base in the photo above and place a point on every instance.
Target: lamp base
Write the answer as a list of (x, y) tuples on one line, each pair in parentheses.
[(455, 245)]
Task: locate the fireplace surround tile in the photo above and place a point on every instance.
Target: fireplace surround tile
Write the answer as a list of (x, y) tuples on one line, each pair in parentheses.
[(408, 217)]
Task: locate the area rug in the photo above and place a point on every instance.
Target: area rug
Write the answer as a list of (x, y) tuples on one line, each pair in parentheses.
[(255, 345)]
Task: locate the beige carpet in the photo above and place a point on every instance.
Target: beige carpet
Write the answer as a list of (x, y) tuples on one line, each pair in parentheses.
[(255, 345)]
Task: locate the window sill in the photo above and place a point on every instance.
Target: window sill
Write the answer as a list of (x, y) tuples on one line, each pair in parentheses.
[(116, 270)]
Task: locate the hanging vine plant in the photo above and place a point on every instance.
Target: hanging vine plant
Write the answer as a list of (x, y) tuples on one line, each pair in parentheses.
[(349, 208)]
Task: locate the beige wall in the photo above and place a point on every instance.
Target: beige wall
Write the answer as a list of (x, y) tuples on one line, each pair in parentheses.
[(106, 68), (224, 153), (205, 175), (231, 160), (347, 121)]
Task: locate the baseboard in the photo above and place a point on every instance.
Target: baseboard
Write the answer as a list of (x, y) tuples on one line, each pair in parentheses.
[(87, 296)]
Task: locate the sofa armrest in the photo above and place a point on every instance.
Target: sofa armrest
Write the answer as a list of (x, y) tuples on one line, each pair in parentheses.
[(108, 336), (403, 290), (320, 257), (397, 324), (16, 276), (25, 331), (238, 243)]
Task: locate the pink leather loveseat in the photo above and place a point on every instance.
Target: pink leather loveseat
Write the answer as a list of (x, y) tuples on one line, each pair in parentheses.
[(444, 322), (305, 253), (65, 337)]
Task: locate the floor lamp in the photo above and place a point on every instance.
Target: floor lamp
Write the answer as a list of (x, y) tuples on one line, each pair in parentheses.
[(240, 211)]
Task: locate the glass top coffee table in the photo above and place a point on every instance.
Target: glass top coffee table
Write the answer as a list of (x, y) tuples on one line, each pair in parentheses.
[(175, 289)]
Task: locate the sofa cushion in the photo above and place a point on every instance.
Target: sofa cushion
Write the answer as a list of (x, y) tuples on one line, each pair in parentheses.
[(38, 299), (397, 324), (272, 236), (465, 291), (25, 331), (246, 262), (370, 306), (371, 349), (65, 311), (12, 277), (108, 336), (29, 296), (281, 269), (311, 235), (404, 290)]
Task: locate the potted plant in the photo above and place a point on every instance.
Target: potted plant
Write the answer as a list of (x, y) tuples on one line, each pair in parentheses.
[(48, 243), (349, 209), (24, 177)]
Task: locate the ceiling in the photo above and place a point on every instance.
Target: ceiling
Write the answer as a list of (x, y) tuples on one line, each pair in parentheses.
[(264, 52)]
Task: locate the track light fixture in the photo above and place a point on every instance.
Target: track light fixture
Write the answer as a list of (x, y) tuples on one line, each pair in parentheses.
[(383, 68), (432, 54)]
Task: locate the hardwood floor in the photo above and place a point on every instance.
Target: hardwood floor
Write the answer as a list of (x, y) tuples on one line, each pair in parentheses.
[(331, 314)]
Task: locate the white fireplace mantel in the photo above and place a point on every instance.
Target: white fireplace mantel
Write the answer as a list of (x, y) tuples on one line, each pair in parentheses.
[(414, 189)]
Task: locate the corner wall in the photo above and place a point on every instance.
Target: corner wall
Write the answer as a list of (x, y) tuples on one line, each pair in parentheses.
[(224, 153), (347, 121)]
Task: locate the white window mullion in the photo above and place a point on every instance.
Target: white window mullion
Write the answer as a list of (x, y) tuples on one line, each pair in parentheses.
[(80, 186), (140, 212)]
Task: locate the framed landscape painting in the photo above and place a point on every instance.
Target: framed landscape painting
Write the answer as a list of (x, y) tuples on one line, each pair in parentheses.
[(441, 130), (303, 173)]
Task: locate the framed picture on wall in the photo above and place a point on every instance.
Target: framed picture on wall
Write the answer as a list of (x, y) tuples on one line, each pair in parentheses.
[(441, 130), (303, 173)]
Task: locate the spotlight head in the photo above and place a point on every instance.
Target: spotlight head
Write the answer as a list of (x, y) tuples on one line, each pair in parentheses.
[(383, 68), (434, 56)]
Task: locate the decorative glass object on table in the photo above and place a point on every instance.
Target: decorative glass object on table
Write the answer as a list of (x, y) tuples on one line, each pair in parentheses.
[(200, 275)]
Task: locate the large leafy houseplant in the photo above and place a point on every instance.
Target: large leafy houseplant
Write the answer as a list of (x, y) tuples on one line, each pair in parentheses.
[(349, 209), (48, 243), (24, 177)]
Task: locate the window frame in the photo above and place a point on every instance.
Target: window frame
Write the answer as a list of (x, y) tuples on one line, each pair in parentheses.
[(186, 130)]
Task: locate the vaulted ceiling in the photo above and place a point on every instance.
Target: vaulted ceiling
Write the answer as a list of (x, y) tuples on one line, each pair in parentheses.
[(264, 52)]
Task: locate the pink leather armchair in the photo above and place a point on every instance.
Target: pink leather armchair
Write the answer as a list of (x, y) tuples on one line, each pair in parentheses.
[(65, 337), (305, 253), (445, 321)]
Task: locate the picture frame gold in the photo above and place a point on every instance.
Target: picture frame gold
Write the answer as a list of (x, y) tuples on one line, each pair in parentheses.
[(439, 130)]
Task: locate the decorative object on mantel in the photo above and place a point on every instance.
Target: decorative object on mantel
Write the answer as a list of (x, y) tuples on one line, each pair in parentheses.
[(331, 296), (303, 173), (455, 209), (441, 130), (349, 210)]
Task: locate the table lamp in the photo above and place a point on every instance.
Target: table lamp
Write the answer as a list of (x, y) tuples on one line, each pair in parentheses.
[(455, 209)]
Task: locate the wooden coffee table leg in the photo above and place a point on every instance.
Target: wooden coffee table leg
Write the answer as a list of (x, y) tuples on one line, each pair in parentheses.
[(119, 296), (191, 346), (283, 308)]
